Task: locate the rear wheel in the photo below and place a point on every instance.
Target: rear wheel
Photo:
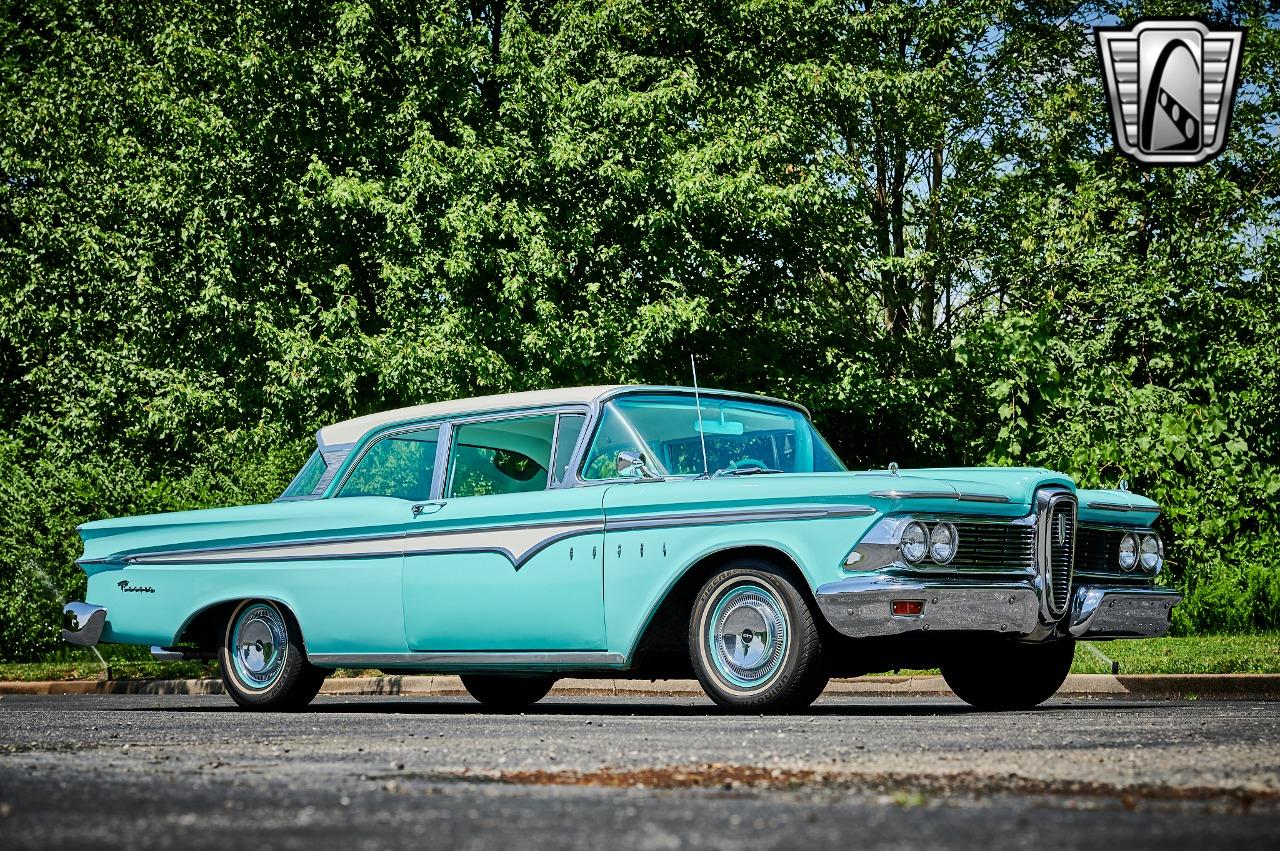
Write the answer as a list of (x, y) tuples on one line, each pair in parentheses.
[(753, 641), (264, 665), (507, 692), (1002, 674)]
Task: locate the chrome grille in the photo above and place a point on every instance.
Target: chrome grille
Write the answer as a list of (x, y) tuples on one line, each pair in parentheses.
[(1057, 540), (1098, 550), (995, 545), (1098, 554)]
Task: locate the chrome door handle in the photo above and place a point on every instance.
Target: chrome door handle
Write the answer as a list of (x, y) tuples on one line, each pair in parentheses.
[(427, 508)]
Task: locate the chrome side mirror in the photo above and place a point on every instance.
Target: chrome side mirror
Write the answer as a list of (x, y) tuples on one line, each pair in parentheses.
[(631, 465)]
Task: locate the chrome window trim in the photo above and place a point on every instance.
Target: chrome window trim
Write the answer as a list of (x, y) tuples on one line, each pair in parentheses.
[(522, 414), (654, 390), (352, 464), (592, 411), (597, 407), (334, 457), (446, 424), (555, 483)]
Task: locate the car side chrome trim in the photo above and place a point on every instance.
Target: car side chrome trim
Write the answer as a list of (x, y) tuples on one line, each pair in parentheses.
[(496, 659), (963, 497), (1115, 506), (710, 518), (519, 542)]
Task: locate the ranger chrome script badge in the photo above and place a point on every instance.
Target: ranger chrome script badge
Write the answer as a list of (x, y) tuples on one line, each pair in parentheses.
[(1171, 85)]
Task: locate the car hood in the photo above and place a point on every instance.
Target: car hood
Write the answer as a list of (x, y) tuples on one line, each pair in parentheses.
[(1013, 484)]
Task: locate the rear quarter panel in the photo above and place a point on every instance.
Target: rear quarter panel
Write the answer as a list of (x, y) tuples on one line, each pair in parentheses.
[(342, 605)]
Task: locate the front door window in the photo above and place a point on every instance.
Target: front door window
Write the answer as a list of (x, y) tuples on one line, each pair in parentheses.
[(501, 456)]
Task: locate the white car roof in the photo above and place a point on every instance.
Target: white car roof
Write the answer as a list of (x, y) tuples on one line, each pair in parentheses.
[(349, 431)]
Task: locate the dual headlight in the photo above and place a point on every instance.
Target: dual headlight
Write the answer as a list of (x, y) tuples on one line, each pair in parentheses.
[(938, 543), (1141, 549)]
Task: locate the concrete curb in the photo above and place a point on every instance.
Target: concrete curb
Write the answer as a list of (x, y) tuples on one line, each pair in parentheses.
[(1146, 686)]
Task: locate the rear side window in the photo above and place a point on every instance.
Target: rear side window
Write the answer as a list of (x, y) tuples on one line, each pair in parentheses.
[(400, 465), (504, 456), (307, 479), (567, 432)]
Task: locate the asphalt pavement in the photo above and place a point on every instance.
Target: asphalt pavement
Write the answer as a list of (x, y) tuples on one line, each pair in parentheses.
[(136, 771)]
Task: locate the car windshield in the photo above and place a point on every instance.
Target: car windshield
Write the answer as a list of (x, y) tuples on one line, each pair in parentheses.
[(740, 436)]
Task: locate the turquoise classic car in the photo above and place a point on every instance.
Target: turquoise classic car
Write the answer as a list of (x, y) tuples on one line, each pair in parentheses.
[(628, 531)]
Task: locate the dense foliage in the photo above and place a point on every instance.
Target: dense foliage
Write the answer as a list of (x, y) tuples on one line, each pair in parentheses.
[(223, 224)]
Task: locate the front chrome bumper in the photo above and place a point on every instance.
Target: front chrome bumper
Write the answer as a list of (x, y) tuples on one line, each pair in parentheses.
[(82, 623), (861, 607), (1102, 612)]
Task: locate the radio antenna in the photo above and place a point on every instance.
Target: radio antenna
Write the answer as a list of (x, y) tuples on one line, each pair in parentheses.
[(697, 398)]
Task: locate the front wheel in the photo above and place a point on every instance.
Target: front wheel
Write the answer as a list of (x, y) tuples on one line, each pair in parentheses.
[(264, 665), (1002, 674), (753, 641), (507, 692)]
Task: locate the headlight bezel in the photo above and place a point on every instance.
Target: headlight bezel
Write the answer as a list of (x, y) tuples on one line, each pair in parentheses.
[(1156, 552), (953, 540), (1130, 538), (923, 542)]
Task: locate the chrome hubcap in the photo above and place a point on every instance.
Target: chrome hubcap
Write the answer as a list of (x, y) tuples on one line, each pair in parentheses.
[(747, 635), (259, 643)]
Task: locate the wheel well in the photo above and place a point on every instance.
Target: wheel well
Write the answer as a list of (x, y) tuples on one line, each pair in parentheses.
[(206, 629), (663, 648)]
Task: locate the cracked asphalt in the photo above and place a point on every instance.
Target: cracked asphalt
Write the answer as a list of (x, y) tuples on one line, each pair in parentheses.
[(382, 772)]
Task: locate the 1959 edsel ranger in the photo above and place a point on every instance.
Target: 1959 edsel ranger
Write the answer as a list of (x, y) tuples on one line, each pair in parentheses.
[(628, 531)]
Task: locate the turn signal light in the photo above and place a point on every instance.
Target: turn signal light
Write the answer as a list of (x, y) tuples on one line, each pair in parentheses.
[(907, 607)]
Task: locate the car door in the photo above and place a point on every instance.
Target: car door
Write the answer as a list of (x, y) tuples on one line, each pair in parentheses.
[(349, 590), (505, 559)]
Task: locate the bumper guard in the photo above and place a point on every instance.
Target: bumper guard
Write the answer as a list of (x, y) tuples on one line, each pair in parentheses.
[(82, 623)]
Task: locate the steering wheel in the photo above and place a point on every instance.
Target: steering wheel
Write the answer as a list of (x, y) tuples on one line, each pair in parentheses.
[(747, 464)]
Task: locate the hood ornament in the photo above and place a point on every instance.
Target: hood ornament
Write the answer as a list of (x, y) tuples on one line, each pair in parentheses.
[(1124, 484), (893, 468)]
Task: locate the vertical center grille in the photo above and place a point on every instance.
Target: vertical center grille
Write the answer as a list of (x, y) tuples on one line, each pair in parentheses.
[(1057, 539)]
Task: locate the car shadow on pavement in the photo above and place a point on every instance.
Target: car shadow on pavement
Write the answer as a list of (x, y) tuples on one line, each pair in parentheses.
[(617, 708)]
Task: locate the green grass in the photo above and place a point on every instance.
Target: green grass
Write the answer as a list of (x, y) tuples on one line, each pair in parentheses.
[(127, 663), (1202, 654), (1257, 653)]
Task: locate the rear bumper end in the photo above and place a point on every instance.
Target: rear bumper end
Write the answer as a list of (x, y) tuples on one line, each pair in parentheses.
[(82, 623), (863, 607)]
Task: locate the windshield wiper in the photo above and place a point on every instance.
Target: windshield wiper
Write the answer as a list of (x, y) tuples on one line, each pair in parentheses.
[(743, 471)]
